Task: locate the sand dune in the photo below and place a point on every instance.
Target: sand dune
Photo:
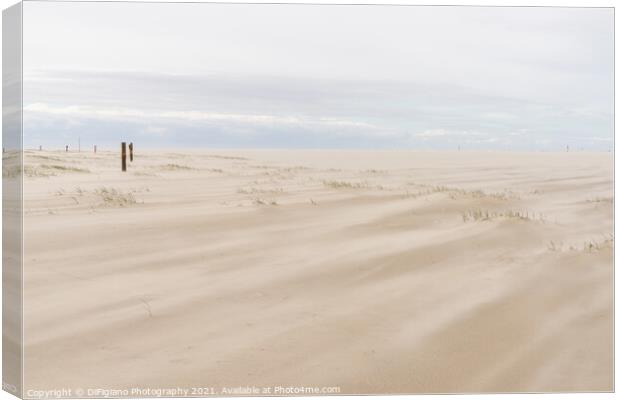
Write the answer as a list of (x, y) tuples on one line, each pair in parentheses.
[(374, 272)]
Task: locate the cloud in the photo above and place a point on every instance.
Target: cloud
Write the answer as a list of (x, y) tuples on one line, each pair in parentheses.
[(155, 130), (485, 75), (76, 111), (270, 110)]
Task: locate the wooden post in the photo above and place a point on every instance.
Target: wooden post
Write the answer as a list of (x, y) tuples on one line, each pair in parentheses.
[(40, 147), (131, 152), (95, 149), (66, 148), (123, 157)]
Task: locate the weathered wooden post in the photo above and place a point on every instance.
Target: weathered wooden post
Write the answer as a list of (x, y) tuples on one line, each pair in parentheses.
[(95, 148), (131, 152), (66, 148), (40, 147), (123, 157)]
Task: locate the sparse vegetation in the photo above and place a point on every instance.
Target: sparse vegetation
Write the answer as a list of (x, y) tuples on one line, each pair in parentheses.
[(553, 246), (253, 190), (63, 168), (296, 168), (593, 246), (49, 158), (44, 170), (262, 167), (588, 246), (28, 171), (488, 215), (262, 202), (147, 306), (601, 200), (114, 197), (175, 167), (346, 185), (456, 193), (479, 194), (111, 197), (144, 173)]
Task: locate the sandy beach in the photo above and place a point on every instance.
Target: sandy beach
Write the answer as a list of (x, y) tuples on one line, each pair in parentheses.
[(368, 271)]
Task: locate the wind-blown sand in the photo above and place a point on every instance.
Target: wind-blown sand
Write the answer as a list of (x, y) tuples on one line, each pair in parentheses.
[(374, 272)]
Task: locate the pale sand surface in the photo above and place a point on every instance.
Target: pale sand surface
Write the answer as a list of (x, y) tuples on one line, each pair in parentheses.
[(378, 272)]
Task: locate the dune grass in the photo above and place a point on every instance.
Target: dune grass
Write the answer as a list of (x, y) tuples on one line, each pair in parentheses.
[(262, 202), (63, 168), (456, 193), (145, 174), (600, 200), (346, 185), (254, 190), (587, 246), (29, 171), (593, 246), (48, 158), (175, 167), (114, 197), (479, 215)]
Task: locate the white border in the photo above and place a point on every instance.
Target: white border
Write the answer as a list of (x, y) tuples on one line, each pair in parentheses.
[(531, 3)]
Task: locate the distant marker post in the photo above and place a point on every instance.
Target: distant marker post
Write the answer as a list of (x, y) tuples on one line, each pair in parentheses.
[(123, 157)]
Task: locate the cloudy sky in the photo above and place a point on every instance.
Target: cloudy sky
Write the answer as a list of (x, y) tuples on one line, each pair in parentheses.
[(303, 76)]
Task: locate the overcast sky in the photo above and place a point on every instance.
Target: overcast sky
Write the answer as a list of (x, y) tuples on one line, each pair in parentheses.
[(226, 75)]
